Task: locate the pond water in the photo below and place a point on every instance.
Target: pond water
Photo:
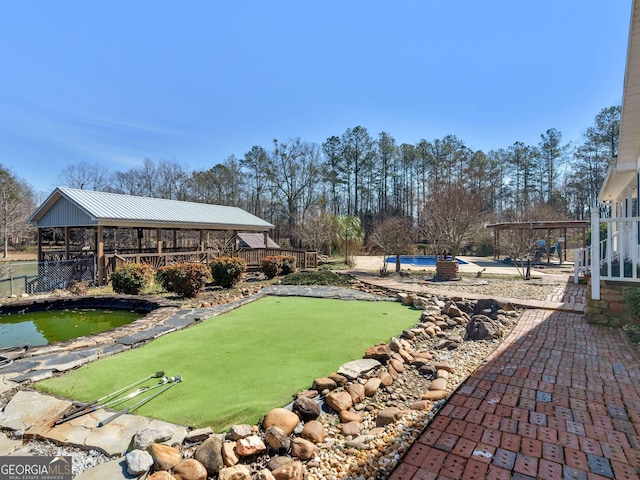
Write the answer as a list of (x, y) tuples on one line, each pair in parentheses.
[(44, 327), (419, 260)]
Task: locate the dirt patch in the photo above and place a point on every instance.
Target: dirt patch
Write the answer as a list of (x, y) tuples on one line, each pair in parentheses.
[(20, 257)]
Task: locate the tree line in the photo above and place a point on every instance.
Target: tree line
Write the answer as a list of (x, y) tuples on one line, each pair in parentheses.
[(356, 175)]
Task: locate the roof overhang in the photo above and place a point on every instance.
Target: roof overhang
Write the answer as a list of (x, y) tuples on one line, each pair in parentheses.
[(617, 181), (623, 169), (540, 225)]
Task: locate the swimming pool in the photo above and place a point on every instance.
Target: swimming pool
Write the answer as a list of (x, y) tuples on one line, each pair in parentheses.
[(419, 260)]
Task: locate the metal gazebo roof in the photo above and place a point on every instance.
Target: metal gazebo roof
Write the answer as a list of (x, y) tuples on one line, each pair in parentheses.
[(69, 207)]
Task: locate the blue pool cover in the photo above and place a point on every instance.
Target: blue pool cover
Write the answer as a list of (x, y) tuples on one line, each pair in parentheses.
[(419, 260)]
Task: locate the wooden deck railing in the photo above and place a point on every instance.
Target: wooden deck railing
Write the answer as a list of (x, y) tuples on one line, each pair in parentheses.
[(253, 257)]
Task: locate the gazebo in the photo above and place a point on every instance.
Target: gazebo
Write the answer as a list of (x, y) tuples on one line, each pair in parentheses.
[(546, 227), (114, 229)]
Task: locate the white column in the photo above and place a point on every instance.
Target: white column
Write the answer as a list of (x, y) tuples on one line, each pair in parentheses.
[(595, 253)]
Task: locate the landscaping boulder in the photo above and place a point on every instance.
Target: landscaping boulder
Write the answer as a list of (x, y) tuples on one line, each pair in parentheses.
[(264, 474), (164, 457), (380, 352), (151, 434), (356, 390), (303, 449), (229, 455), (190, 469), (372, 386), (347, 416), (291, 471), (237, 472), (324, 383), (277, 440), (161, 475), (351, 429), (306, 408), (248, 446), (339, 401), (481, 327), (236, 432), (138, 462), (387, 415), (209, 454), (314, 431), (283, 418)]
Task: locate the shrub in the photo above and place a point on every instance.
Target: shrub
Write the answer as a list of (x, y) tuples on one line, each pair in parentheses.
[(228, 271), (288, 264), (132, 278), (319, 277), (78, 287), (275, 265), (184, 279), (271, 266), (631, 297)]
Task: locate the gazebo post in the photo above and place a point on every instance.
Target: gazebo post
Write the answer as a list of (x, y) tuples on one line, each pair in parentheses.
[(159, 240), (266, 239), (100, 254), (201, 240), (66, 243), (40, 253)]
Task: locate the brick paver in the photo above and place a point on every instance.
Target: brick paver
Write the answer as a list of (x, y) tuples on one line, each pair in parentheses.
[(559, 398)]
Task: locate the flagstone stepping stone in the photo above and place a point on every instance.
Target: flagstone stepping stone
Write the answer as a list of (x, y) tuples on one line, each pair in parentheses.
[(356, 368), (8, 445), (113, 470), (29, 409)]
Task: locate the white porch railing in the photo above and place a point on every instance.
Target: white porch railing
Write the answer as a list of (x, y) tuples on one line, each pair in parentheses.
[(615, 258), (618, 254), (581, 263)]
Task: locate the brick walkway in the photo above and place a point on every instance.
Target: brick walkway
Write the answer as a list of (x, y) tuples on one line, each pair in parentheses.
[(559, 399), (569, 293)]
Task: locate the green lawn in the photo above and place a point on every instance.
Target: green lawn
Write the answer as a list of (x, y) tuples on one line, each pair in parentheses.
[(239, 365)]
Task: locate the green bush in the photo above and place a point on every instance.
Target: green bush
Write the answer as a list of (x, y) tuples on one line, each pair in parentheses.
[(276, 265), (288, 264), (184, 279), (271, 266), (227, 271), (319, 277), (632, 301), (132, 278)]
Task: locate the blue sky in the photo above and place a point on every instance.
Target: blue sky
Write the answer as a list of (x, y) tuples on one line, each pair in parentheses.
[(196, 81)]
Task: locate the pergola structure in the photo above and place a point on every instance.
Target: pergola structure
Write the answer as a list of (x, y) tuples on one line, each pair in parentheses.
[(546, 226), (120, 228)]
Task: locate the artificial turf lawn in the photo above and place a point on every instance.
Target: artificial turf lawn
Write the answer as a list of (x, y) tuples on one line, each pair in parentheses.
[(239, 365)]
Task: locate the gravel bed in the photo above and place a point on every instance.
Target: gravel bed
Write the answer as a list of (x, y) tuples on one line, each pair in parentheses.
[(531, 290), (374, 458)]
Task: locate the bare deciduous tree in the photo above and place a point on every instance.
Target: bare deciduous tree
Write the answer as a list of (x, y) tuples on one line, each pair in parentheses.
[(85, 176), (16, 203), (394, 236), (449, 217), (318, 232)]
